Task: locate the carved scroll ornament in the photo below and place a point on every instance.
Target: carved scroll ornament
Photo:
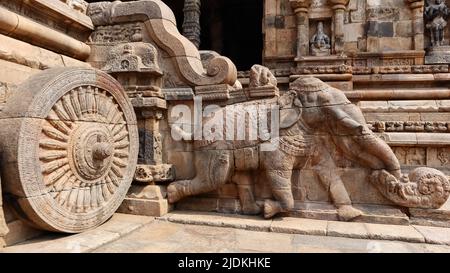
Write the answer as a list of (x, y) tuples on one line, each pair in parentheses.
[(160, 24)]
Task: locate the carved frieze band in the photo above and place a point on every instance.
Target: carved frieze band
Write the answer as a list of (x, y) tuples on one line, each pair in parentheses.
[(438, 157), (409, 126)]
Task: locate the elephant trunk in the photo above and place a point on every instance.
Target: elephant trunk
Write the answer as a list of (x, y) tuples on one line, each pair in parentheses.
[(422, 188), (381, 156), (370, 152)]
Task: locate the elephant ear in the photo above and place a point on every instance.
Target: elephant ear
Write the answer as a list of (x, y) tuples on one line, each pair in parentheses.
[(288, 117)]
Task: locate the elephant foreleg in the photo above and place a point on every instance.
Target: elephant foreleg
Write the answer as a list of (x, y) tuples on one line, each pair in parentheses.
[(213, 169), (280, 182), (244, 183), (326, 172)]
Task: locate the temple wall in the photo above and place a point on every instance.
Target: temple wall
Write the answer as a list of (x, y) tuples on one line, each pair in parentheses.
[(280, 31)]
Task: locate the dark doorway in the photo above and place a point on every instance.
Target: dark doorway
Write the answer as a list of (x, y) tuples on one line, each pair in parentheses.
[(233, 28)]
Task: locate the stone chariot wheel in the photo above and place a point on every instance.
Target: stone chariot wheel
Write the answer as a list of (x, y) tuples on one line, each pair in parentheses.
[(69, 145)]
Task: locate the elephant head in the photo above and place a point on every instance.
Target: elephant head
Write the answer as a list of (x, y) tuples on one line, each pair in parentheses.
[(326, 109)]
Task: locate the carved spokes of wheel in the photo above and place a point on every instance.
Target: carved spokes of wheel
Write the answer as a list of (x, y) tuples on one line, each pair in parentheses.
[(83, 156), (81, 145)]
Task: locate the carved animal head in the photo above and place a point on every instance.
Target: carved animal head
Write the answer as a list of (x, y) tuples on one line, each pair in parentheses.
[(302, 93), (261, 76), (99, 12)]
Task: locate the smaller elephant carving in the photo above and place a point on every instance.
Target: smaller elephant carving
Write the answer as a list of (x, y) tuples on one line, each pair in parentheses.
[(261, 76)]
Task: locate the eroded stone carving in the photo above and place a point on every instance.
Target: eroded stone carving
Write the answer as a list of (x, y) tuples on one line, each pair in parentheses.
[(78, 5), (133, 57), (409, 126), (315, 120), (154, 173), (261, 76), (436, 13), (130, 32), (320, 43)]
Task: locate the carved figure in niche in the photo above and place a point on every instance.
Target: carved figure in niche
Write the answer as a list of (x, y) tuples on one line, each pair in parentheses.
[(443, 156), (436, 14), (315, 119), (261, 76), (320, 42)]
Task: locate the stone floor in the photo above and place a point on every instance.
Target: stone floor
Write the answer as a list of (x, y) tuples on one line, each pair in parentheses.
[(209, 232)]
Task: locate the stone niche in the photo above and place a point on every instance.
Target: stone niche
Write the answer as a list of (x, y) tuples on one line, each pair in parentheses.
[(320, 41), (312, 13)]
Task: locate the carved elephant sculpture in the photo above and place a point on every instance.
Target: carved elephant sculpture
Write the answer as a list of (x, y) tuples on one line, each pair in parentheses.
[(314, 119)]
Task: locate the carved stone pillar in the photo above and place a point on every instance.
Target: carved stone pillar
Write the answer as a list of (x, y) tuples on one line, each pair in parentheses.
[(416, 7), (300, 8), (151, 153), (191, 23), (338, 7)]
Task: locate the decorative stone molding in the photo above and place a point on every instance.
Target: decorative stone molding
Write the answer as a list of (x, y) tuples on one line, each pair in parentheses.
[(376, 13), (160, 24), (154, 173), (133, 57), (409, 126), (323, 69)]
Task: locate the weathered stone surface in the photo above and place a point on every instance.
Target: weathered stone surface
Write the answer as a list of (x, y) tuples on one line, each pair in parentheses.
[(387, 232), (163, 237), (25, 54), (221, 220), (124, 224), (351, 230), (435, 235), (119, 226), (24, 28), (144, 207), (19, 232), (299, 226)]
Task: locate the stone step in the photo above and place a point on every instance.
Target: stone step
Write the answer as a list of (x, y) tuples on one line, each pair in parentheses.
[(118, 226), (291, 225)]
